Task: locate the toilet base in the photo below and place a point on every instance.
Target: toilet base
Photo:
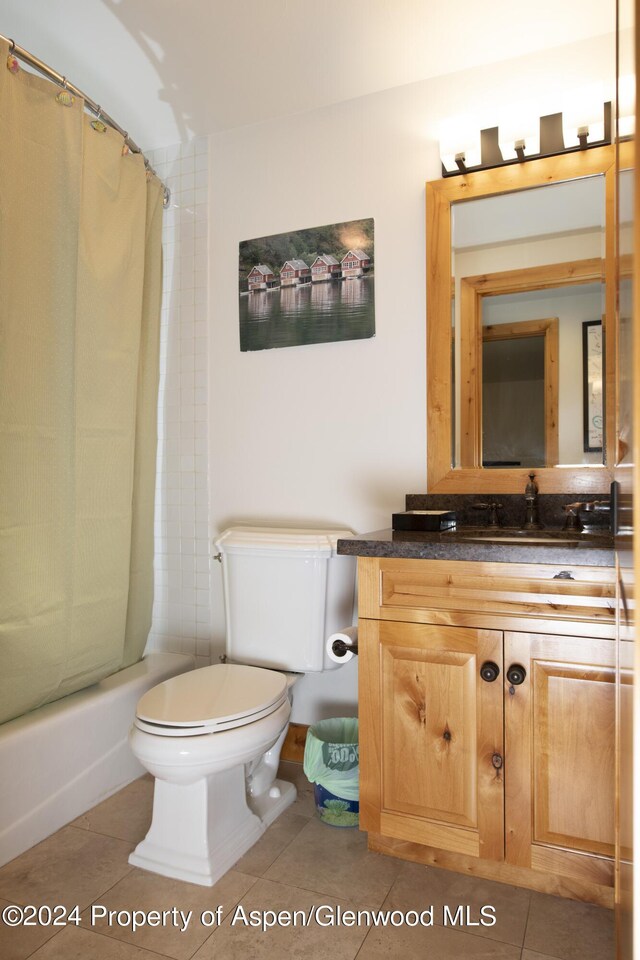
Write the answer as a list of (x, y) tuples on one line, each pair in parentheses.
[(199, 830), (267, 807)]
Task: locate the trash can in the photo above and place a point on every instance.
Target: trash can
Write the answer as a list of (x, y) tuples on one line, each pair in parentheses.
[(331, 763)]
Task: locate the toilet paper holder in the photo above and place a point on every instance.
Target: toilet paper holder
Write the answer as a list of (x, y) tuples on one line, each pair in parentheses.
[(341, 649)]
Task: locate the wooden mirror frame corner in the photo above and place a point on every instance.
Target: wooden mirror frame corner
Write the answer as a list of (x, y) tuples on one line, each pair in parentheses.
[(440, 195)]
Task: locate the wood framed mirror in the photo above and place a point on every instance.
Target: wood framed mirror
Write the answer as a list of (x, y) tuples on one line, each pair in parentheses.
[(523, 243)]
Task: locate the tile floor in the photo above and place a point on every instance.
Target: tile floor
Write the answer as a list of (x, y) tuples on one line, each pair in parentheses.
[(298, 864)]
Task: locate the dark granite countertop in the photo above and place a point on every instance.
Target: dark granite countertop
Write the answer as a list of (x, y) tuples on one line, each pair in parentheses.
[(509, 546)]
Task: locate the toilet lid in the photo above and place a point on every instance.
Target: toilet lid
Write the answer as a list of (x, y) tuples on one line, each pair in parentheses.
[(211, 698)]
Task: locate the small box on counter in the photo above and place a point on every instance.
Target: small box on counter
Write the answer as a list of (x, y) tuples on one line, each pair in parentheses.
[(429, 520)]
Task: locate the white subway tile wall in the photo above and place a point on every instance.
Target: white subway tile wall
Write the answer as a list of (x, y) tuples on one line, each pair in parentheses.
[(181, 610)]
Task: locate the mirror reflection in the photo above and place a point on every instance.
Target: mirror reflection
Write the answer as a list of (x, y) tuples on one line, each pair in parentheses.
[(528, 313), (513, 397)]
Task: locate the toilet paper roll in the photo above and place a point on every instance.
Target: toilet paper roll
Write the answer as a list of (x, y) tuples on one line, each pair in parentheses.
[(349, 636)]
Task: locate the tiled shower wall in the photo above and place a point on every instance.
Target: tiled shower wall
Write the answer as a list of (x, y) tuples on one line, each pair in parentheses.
[(181, 611)]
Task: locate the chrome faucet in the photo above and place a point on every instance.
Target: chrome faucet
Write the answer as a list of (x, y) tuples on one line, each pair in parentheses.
[(531, 517)]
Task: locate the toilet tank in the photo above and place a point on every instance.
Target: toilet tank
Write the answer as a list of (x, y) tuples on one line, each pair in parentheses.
[(285, 591)]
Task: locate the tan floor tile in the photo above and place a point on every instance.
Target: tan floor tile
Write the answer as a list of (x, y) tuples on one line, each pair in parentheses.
[(74, 943), (418, 887), (304, 805), (17, 943), (416, 943), (126, 815), (148, 891), (70, 867), (293, 942), (305, 863), (569, 930), (530, 955), (271, 844), (335, 862)]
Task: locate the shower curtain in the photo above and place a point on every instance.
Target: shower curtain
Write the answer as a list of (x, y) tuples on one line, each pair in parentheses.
[(80, 291)]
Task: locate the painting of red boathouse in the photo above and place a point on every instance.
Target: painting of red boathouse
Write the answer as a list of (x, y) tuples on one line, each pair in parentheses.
[(355, 263), (325, 267), (261, 277), (294, 272)]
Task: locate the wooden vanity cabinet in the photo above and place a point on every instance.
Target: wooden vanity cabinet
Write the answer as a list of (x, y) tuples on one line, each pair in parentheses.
[(560, 744), (428, 775), (512, 781)]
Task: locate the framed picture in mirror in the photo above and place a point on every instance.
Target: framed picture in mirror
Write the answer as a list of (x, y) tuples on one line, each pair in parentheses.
[(592, 366)]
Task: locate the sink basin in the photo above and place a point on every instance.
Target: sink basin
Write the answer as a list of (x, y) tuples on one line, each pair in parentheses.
[(515, 535), (498, 538)]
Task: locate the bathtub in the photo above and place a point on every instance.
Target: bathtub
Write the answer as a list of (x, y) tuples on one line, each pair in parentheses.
[(58, 761)]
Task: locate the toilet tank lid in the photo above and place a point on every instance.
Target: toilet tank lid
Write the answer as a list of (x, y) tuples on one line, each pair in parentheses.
[(286, 540)]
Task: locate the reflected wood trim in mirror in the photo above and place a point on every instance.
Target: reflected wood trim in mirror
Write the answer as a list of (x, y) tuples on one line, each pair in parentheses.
[(549, 330), (471, 453), (472, 292), (442, 477)]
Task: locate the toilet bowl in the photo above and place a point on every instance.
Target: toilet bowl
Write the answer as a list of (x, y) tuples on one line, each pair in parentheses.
[(212, 740)]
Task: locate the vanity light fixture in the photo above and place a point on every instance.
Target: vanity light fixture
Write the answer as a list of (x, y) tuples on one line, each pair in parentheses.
[(496, 151)]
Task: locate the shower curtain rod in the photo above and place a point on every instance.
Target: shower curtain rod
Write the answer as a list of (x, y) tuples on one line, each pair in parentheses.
[(94, 107)]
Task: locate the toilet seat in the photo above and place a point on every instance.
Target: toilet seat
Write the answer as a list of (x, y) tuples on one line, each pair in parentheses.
[(211, 699)]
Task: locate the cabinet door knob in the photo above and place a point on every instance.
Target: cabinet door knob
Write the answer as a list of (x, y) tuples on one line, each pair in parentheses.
[(489, 671), (564, 575), (516, 674), (496, 760)]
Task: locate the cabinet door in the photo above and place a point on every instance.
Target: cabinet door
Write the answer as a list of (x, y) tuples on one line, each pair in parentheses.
[(560, 748), (431, 736)]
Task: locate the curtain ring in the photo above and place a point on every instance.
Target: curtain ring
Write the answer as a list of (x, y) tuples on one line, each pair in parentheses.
[(12, 45), (64, 83)]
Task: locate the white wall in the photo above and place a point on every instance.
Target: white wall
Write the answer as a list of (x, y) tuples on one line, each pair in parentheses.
[(331, 433), (335, 433)]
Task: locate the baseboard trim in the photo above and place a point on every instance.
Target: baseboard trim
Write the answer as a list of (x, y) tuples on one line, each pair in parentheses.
[(294, 742), (570, 887)]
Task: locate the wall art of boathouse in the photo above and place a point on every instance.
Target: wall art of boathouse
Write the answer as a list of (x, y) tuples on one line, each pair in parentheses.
[(261, 277), (294, 272), (308, 286)]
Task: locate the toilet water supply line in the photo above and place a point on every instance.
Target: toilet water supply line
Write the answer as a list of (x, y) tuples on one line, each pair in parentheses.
[(95, 108)]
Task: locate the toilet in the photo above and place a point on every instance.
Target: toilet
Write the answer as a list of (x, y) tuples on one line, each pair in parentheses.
[(212, 737)]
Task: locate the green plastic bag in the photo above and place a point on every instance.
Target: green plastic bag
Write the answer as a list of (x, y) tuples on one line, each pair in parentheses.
[(331, 756)]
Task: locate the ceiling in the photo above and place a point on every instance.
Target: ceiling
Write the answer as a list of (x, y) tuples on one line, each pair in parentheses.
[(172, 69)]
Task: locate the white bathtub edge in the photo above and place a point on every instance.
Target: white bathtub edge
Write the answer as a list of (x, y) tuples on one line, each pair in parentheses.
[(60, 760)]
